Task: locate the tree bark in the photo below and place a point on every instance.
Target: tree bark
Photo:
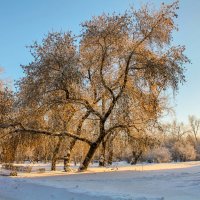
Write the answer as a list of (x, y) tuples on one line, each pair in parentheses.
[(55, 154), (68, 156), (110, 148), (53, 164), (89, 156), (72, 144), (136, 157), (110, 153), (93, 147), (102, 160)]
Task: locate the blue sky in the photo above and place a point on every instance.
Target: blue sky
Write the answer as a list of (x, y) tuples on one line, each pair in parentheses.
[(24, 21)]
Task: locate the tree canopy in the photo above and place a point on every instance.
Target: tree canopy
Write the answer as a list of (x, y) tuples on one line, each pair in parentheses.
[(108, 80)]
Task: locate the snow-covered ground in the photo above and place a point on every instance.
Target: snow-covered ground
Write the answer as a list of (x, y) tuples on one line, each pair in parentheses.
[(173, 181)]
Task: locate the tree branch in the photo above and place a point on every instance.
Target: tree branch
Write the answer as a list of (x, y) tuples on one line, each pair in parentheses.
[(23, 129)]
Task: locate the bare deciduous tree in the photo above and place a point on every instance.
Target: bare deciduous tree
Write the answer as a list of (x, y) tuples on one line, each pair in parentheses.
[(194, 125), (114, 77)]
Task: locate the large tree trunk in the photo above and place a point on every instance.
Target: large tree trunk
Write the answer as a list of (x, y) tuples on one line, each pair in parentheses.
[(102, 160), (110, 153), (89, 156), (67, 161), (55, 154), (110, 148), (53, 164), (93, 147), (68, 156), (79, 133)]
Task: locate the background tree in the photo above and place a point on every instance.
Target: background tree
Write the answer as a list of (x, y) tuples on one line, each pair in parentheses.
[(194, 125)]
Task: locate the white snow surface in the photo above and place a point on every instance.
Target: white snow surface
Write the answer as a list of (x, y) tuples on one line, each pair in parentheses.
[(169, 181)]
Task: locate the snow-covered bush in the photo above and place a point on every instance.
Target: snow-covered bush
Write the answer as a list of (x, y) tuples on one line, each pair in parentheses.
[(159, 155), (183, 151)]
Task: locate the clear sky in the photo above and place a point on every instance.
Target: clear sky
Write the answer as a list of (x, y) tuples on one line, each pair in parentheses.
[(24, 21)]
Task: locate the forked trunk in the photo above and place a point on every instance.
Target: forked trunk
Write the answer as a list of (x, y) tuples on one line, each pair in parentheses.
[(93, 147)]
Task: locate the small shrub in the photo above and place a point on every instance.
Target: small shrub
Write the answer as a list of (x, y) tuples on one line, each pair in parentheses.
[(28, 169), (13, 173), (41, 170)]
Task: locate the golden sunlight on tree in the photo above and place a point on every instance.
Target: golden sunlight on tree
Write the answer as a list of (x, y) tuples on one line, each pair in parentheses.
[(107, 82)]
